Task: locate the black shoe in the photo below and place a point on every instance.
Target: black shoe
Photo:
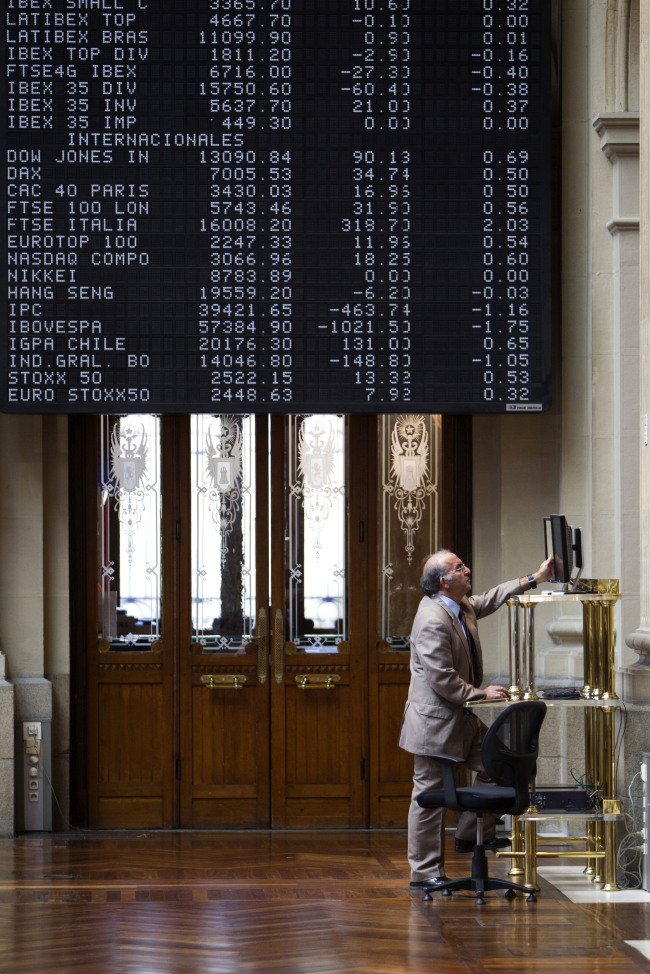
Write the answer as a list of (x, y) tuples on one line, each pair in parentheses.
[(429, 883), (498, 842)]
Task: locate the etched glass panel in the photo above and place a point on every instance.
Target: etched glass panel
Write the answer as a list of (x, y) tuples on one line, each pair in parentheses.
[(316, 535), (129, 506), (223, 523), (409, 465)]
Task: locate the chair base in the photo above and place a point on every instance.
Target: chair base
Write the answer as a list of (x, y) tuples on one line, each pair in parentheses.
[(480, 882)]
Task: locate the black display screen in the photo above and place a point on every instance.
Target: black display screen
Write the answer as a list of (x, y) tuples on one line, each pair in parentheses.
[(277, 205)]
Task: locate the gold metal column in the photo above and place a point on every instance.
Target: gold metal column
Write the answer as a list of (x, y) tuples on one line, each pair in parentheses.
[(590, 687), (610, 884), (588, 643), (607, 678), (517, 847), (515, 690), (529, 677), (530, 857), (591, 778), (611, 805)]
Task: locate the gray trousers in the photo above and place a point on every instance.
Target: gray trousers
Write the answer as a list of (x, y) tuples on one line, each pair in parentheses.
[(426, 826)]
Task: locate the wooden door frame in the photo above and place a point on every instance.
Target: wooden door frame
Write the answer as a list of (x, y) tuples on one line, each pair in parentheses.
[(362, 524), (176, 527), (456, 489), (82, 475), (277, 607)]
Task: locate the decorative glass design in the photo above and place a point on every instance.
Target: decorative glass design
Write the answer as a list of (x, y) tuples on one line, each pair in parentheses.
[(410, 482), (129, 512), (223, 548), (409, 459), (316, 535)]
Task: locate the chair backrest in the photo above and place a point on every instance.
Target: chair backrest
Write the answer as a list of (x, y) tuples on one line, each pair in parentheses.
[(510, 747)]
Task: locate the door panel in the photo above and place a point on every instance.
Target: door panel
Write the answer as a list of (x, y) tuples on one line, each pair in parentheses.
[(223, 637), (130, 664), (317, 745), (131, 766), (225, 783)]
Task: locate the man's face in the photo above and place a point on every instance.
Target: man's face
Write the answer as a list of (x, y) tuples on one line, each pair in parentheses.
[(457, 581)]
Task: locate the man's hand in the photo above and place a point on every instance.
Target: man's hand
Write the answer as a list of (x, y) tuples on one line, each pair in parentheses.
[(545, 571), (495, 693)]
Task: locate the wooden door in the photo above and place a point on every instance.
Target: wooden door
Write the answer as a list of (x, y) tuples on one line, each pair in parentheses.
[(319, 623), (253, 672), (272, 722), (223, 595), (192, 720), (131, 696)]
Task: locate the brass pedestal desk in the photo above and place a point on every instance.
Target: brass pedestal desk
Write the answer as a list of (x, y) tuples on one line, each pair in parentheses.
[(598, 699)]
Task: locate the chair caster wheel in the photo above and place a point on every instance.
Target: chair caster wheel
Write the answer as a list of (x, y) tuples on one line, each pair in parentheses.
[(509, 894), (427, 897), (447, 892), (531, 898), (479, 899)]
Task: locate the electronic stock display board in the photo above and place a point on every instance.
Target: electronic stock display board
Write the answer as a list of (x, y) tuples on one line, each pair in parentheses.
[(276, 205)]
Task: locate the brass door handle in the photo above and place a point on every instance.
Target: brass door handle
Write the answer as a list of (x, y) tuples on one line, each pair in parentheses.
[(278, 646), (317, 681), (262, 644), (224, 681)]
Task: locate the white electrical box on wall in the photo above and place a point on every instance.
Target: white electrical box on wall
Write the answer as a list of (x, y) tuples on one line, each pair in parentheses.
[(34, 776)]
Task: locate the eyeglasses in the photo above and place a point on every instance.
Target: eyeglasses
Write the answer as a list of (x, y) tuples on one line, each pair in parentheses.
[(458, 568)]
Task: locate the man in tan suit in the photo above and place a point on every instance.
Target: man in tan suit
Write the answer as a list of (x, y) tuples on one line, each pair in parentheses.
[(446, 673)]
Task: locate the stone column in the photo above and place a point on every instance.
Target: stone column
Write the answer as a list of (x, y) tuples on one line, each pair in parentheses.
[(637, 677)]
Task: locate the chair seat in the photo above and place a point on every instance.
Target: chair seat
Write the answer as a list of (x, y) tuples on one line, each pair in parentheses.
[(493, 799)]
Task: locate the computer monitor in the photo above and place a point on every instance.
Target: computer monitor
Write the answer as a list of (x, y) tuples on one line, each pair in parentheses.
[(565, 544)]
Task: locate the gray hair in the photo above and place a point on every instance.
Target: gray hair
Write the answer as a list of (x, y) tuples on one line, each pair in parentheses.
[(433, 572)]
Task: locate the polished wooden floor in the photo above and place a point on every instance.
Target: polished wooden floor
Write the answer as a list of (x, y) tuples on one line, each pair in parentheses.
[(285, 902)]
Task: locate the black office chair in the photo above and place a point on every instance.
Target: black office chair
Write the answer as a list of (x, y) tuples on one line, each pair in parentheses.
[(509, 756)]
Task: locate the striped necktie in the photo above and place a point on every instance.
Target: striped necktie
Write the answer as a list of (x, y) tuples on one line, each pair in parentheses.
[(470, 642)]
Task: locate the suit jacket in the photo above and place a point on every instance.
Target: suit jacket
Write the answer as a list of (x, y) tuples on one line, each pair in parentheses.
[(442, 675)]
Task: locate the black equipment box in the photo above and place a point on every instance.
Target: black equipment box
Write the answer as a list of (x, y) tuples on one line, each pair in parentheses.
[(561, 798)]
